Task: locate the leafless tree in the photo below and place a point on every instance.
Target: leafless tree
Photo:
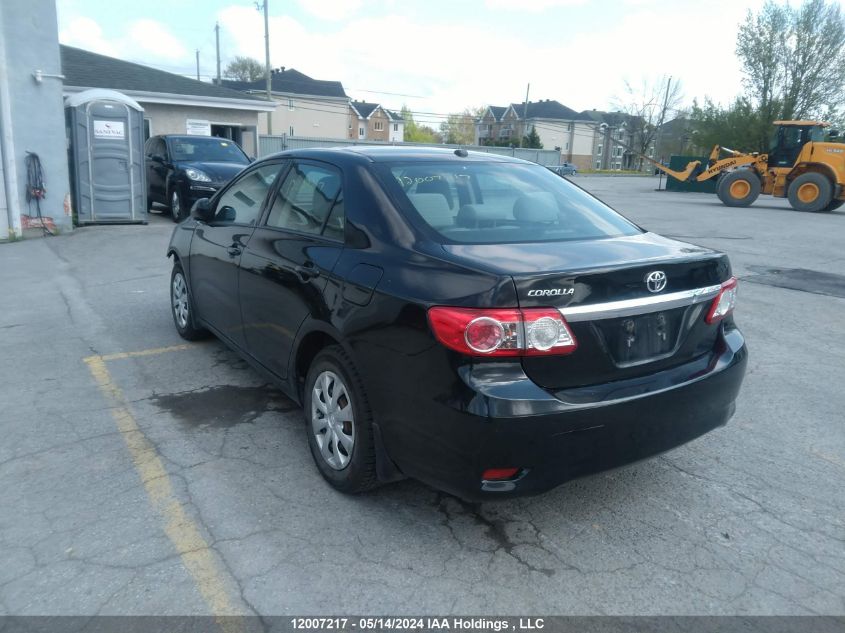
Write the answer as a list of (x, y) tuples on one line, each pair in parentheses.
[(646, 107)]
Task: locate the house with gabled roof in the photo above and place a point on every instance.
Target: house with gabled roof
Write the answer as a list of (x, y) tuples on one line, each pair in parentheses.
[(558, 126), (618, 138), (169, 100), (374, 122), (304, 106), (488, 126)]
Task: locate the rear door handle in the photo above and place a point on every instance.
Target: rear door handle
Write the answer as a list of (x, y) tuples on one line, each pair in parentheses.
[(306, 272), (234, 251)]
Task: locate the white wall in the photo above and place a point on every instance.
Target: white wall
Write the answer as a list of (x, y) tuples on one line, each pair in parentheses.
[(28, 33), (172, 119), (320, 117), (398, 135)]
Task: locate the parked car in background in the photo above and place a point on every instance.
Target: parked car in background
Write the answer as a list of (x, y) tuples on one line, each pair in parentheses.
[(183, 169), (469, 320), (564, 169)]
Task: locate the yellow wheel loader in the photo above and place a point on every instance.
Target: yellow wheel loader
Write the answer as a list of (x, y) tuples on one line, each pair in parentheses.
[(801, 166)]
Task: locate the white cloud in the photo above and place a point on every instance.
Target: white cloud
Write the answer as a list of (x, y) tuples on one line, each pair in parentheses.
[(455, 64), (85, 33), (531, 6), (331, 9), (155, 39), (145, 41)]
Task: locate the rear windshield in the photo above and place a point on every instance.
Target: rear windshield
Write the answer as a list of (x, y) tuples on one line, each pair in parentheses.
[(207, 150), (494, 203)]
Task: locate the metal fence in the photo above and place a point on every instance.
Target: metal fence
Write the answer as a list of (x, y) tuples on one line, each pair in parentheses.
[(272, 144)]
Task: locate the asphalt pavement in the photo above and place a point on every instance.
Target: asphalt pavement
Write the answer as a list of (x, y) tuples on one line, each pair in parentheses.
[(143, 475)]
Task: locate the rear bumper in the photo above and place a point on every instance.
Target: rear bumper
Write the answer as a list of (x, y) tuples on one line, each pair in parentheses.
[(511, 422)]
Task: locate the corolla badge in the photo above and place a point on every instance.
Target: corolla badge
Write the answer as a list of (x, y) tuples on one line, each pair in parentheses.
[(655, 281), (553, 292)]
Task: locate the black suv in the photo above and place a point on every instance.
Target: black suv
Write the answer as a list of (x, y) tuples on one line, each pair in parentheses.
[(469, 320), (183, 169)]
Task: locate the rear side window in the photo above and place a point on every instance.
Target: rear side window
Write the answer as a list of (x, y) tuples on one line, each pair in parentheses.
[(310, 200), (492, 203)]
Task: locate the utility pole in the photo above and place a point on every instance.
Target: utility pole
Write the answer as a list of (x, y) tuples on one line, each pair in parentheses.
[(525, 114), (217, 38), (198, 64), (267, 61)]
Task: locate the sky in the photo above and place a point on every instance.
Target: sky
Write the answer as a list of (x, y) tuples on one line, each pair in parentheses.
[(438, 56)]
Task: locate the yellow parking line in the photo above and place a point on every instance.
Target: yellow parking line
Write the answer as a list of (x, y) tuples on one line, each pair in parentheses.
[(196, 555), (143, 352)]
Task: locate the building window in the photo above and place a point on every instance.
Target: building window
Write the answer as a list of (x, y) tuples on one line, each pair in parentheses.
[(569, 127), (290, 129), (148, 129), (379, 126), (598, 164), (567, 146), (598, 151), (395, 127), (361, 132), (290, 104), (350, 126)]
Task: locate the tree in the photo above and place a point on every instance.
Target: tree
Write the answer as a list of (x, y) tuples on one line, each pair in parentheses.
[(647, 107), (532, 139), (416, 133), (459, 128), (739, 126), (244, 69), (793, 61)]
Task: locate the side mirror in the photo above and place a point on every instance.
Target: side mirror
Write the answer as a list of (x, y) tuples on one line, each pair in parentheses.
[(157, 158), (225, 215), (201, 210)]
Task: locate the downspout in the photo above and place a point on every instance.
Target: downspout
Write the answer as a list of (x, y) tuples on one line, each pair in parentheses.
[(7, 145)]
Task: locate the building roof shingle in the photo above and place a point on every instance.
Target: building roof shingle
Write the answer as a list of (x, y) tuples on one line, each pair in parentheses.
[(547, 109), (363, 108), (84, 69), (291, 81)]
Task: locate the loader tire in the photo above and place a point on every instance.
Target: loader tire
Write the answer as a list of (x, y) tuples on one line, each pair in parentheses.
[(834, 205), (811, 192), (738, 188)]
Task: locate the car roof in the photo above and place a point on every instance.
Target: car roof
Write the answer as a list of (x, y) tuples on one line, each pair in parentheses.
[(393, 153)]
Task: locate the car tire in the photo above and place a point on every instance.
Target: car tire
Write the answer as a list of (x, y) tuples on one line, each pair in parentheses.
[(181, 306), (811, 192), (834, 205), (177, 206), (339, 423), (738, 188)]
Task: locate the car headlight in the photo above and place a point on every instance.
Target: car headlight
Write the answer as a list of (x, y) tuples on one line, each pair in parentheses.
[(197, 175)]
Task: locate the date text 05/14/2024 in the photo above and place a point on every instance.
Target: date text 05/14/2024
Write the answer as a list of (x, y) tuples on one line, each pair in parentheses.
[(416, 624)]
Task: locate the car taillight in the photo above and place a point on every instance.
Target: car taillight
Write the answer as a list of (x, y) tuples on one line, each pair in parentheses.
[(724, 303), (502, 332)]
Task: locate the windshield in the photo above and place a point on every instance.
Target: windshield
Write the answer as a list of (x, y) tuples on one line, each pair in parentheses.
[(207, 150), (494, 203)]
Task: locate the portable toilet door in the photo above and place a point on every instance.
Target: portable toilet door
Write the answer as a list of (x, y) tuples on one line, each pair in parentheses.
[(106, 130)]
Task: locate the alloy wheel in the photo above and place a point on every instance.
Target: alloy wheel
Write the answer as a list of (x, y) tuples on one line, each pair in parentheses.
[(179, 299), (332, 420), (175, 207)]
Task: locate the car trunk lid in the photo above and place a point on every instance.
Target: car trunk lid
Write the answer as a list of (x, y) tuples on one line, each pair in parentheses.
[(635, 304)]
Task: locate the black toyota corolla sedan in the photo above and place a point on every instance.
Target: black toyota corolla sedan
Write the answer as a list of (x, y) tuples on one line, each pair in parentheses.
[(469, 320)]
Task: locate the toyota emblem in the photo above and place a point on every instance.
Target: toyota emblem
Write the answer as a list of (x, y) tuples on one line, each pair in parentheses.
[(655, 281)]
